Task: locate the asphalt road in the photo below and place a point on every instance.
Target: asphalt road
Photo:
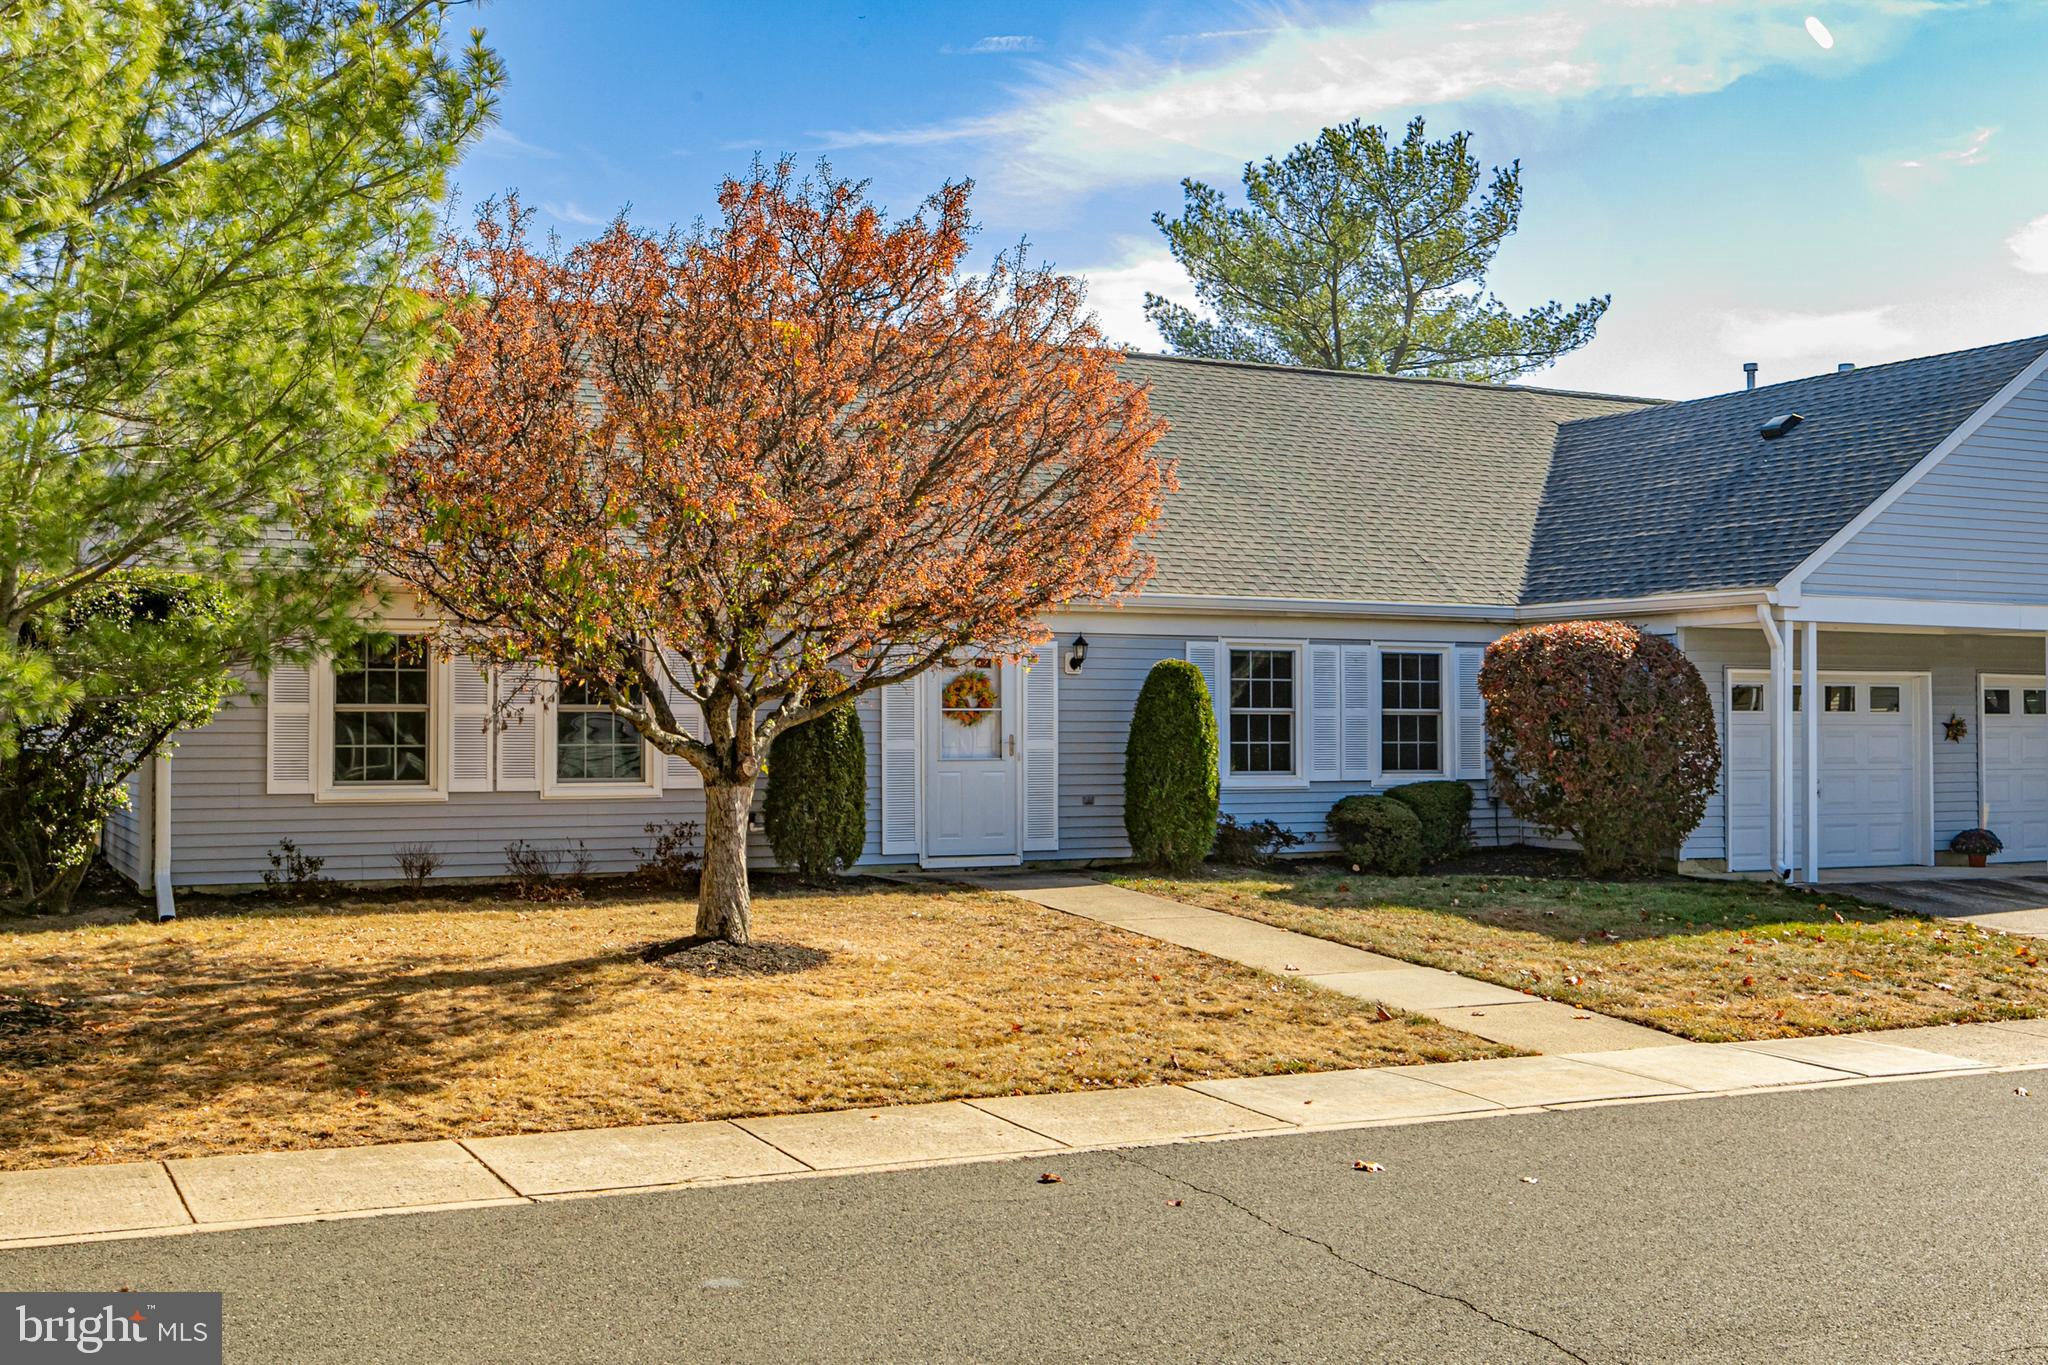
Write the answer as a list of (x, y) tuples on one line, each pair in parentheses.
[(1894, 1222)]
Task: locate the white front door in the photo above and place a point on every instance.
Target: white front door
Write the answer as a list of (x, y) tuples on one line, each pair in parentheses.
[(2012, 719), (970, 790), (1872, 757)]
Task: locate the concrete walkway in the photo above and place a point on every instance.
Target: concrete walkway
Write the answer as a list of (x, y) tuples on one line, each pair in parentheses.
[(155, 1198), (1495, 1013), (2014, 905)]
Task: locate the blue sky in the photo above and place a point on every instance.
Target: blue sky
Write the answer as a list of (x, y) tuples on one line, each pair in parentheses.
[(1742, 191)]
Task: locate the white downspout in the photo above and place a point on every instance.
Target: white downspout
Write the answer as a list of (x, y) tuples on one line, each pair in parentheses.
[(1781, 744), (160, 837), (1810, 664)]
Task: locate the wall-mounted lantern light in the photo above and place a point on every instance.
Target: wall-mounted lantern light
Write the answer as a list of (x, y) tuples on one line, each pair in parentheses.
[(1077, 654)]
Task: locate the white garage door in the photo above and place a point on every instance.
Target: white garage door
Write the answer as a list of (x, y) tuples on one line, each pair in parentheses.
[(1872, 753), (2013, 720)]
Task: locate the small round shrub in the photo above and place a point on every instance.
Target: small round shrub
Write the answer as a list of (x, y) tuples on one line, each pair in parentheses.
[(1378, 834), (1603, 732), (817, 811), (1170, 787), (1445, 810)]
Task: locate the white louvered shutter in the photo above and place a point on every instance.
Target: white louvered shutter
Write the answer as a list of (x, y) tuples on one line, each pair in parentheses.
[(678, 772), (899, 767), (1040, 685), (1207, 657), (1357, 709), (520, 716), (1471, 712), (470, 739), (288, 730), (1325, 711)]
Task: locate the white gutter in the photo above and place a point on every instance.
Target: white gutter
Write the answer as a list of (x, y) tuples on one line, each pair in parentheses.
[(1505, 613), (160, 837)]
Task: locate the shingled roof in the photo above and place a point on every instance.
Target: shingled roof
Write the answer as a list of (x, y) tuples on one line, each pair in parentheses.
[(1320, 485), (1688, 496)]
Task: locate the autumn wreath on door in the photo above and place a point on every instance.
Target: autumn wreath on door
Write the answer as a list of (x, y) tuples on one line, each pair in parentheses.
[(968, 697)]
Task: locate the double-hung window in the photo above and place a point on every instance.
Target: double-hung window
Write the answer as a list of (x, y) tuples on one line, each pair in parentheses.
[(592, 744), (1262, 711), (383, 715), (1411, 711)]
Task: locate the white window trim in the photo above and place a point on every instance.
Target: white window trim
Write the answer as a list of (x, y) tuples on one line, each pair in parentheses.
[(440, 733), (553, 788), (1446, 713), (1289, 781)]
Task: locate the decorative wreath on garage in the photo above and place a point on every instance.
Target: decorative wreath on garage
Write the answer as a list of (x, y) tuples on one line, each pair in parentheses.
[(968, 697)]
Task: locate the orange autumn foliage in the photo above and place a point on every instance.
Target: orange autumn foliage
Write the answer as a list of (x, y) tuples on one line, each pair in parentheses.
[(797, 451)]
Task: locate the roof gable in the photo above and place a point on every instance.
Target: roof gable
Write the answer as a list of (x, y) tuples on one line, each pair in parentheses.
[(1688, 496)]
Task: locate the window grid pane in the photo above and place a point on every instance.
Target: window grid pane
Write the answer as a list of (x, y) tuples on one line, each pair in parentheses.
[(1411, 712), (1262, 711), (594, 745), (380, 714)]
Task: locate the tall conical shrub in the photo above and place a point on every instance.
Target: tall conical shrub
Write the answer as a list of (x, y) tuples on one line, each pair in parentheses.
[(1170, 768), (817, 811)]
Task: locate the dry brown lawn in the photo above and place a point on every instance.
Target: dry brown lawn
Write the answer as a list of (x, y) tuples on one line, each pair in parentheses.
[(1712, 961), (250, 1028)]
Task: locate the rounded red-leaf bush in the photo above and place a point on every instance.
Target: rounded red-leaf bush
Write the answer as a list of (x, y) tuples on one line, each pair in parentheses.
[(1598, 730)]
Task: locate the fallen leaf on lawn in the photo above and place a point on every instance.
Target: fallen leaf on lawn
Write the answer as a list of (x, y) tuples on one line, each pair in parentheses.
[(1749, 981), (1372, 1167), (1050, 1179), (1173, 1203), (1385, 1015)]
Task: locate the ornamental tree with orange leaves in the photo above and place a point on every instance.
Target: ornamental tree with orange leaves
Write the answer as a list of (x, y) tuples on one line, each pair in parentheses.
[(765, 466)]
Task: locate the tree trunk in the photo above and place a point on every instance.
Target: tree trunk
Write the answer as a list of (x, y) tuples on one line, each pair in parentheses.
[(724, 903)]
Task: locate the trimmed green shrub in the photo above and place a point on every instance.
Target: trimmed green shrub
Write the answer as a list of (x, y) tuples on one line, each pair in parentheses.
[(1445, 810), (1601, 731), (1170, 788), (1378, 834), (817, 812)]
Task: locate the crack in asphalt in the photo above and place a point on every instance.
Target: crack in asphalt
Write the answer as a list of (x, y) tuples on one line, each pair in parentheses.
[(1443, 1296)]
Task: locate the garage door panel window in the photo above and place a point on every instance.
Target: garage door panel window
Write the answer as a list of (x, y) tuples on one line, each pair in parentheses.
[(1997, 701), (1884, 700), (1838, 699), (1746, 697)]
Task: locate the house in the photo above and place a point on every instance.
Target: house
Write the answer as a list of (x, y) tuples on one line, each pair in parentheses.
[(1341, 550)]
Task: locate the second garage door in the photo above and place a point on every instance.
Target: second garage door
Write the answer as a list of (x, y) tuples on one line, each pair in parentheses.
[(2013, 720), (1872, 752)]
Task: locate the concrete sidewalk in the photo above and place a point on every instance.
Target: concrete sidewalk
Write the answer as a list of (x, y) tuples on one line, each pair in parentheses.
[(1495, 1013), (188, 1195)]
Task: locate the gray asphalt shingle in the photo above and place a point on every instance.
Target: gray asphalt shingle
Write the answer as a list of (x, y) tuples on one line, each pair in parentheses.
[(1342, 487)]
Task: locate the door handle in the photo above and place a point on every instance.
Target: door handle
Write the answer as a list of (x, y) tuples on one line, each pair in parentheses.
[(1013, 746)]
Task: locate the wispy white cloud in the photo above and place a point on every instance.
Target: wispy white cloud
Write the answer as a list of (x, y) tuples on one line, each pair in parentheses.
[(569, 211), (1793, 336), (1116, 291), (1005, 42), (2029, 246), (1921, 169), (1139, 115), (498, 141)]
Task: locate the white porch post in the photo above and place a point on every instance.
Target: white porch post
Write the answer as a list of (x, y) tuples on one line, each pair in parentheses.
[(1781, 740), (1811, 708)]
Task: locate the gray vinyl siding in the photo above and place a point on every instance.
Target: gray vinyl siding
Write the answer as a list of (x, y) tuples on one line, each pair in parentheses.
[(224, 824), (1970, 530), (1095, 718), (1953, 663), (121, 838)]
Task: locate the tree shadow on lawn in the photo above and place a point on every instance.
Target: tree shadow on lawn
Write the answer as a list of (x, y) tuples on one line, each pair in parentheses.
[(276, 1047), (1574, 908)]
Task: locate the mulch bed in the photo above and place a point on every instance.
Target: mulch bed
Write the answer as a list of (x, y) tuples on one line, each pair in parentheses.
[(716, 957)]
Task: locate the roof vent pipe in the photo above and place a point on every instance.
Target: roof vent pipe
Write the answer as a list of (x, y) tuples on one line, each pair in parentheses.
[(1749, 373), (1845, 367)]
